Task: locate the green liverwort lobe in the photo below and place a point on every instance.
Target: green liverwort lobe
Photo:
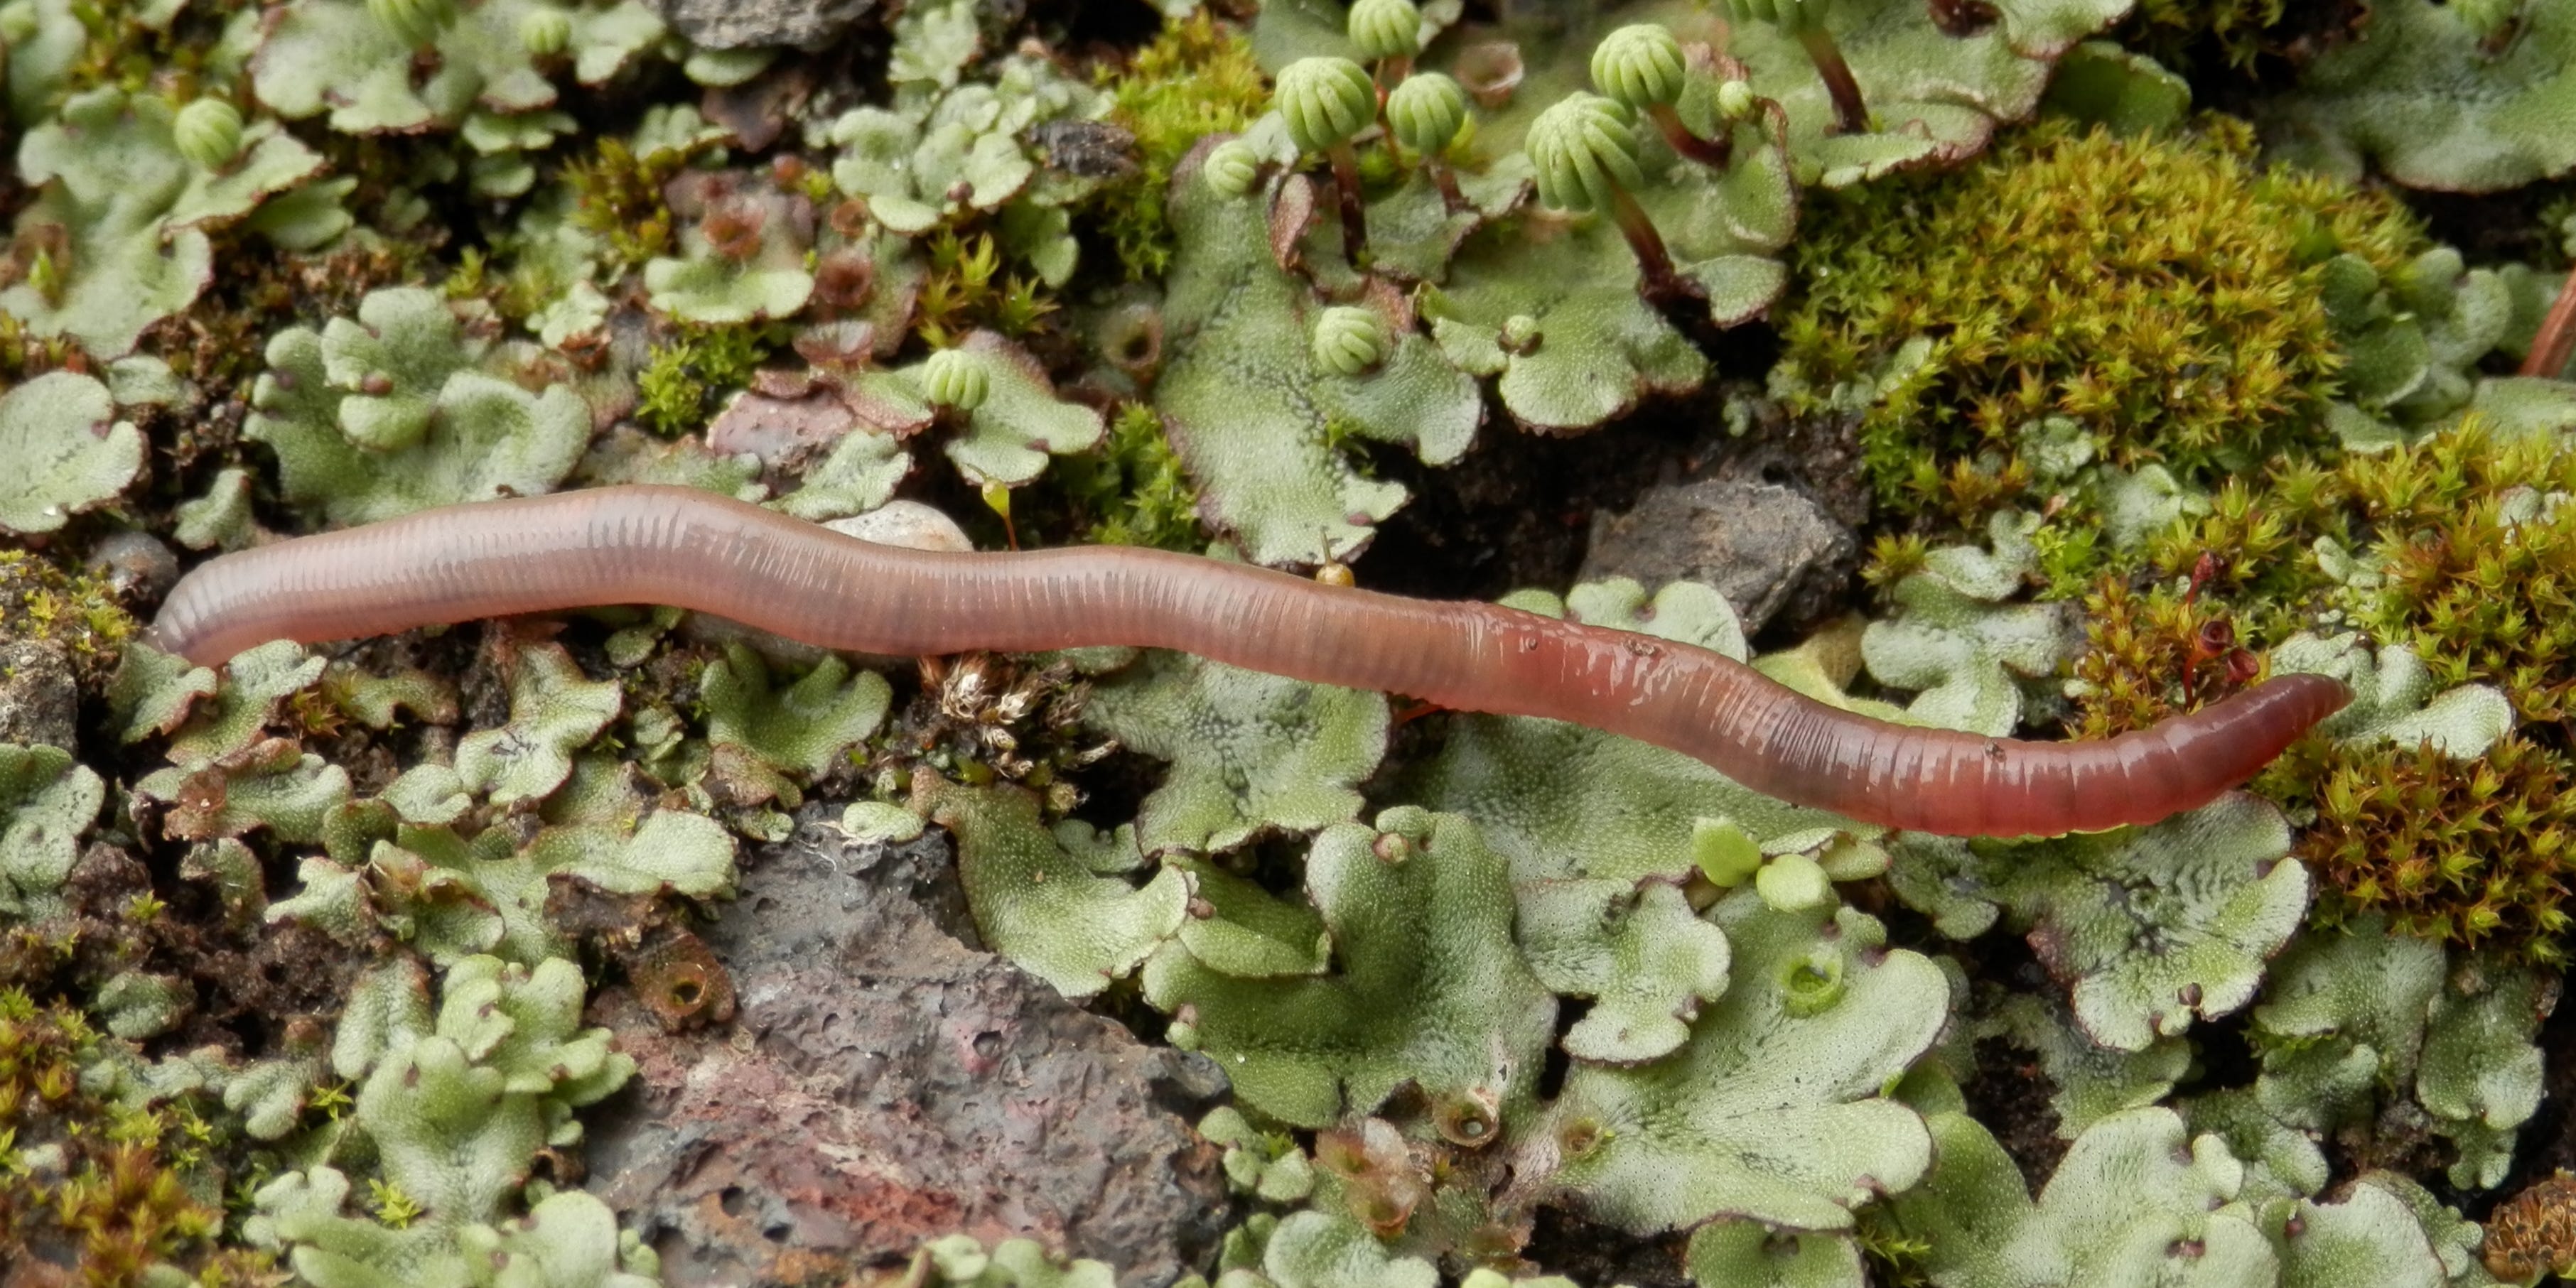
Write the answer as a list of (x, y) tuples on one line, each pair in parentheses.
[(1794, 883), (1642, 67), (1805, 19), (1326, 101), (1585, 153)]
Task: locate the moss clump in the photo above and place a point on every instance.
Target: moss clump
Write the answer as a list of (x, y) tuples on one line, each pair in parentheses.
[(2478, 570), (617, 197), (2461, 562), (966, 291), (2173, 31), (24, 356), (2152, 655), (75, 611), (2464, 561), (2465, 564), (2472, 851), (1197, 78), (1131, 490), (691, 373), (2192, 336), (112, 1201)]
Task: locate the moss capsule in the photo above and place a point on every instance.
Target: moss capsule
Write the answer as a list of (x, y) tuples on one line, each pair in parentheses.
[(1639, 65), (1350, 340), (208, 132), (1426, 112), (1324, 101), (954, 378), (1385, 28), (1232, 168)]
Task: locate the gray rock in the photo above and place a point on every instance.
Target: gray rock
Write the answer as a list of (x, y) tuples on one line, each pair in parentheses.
[(885, 1084), (39, 696), (746, 24), (1765, 547), (137, 565)]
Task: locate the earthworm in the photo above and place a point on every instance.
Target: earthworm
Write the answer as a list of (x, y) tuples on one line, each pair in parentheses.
[(700, 551)]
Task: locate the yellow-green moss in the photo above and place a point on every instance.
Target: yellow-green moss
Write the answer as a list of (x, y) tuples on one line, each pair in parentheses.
[(2480, 573), (39, 601), (2159, 292), (2171, 31), (617, 196), (2473, 851), (691, 372), (1131, 490), (965, 289), (119, 1199), (1197, 78), (2474, 577)]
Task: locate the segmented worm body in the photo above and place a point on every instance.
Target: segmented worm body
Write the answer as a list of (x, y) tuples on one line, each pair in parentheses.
[(678, 546)]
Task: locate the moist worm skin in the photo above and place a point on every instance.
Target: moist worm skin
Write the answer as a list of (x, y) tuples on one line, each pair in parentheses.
[(696, 550)]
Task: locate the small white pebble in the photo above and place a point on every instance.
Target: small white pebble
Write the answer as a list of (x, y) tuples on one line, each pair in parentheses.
[(908, 524)]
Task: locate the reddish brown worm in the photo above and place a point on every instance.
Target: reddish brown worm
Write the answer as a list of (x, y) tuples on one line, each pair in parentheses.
[(696, 550)]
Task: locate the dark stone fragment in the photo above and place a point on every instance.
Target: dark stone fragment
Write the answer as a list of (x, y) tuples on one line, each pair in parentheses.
[(1764, 546), (39, 696), (137, 565), (745, 24), (885, 1084), (1086, 149)]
